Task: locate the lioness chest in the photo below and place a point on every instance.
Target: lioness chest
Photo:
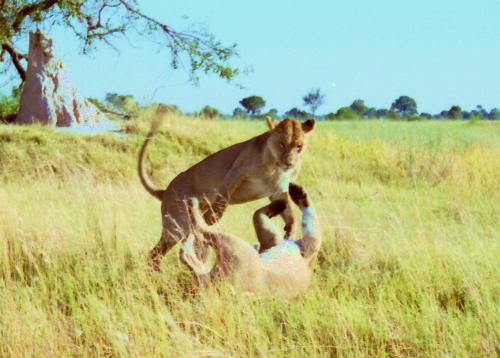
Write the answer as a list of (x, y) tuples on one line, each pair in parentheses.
[(262, 186)]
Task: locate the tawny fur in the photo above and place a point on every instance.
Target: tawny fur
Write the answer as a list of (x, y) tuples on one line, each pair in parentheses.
[(259, 167), (283, 270)]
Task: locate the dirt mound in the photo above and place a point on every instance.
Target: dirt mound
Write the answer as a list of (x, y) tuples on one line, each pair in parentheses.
[(48, 96)]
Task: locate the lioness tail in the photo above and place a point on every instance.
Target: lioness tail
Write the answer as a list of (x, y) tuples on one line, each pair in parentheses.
[(157, 193)]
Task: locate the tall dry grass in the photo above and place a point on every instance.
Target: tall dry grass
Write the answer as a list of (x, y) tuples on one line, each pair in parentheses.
[(409, 264)]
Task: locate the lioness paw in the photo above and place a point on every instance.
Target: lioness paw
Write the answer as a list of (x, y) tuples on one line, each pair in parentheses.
[(298, 195)]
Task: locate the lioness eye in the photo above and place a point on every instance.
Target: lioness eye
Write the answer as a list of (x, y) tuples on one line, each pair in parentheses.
[(299, 147), (282, 145)]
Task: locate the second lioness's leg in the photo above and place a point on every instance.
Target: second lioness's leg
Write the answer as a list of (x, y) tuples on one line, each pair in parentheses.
[(311, 231), (287, 213), (268, 233)]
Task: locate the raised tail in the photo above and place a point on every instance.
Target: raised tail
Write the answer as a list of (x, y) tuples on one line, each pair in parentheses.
[(188, 252), (189, 257), (151, 189), (196, 217)]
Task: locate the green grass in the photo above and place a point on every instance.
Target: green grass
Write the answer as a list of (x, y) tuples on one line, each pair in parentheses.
[(409, 265)]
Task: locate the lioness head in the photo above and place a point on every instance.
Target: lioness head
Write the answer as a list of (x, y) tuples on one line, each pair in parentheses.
[(288, 140)]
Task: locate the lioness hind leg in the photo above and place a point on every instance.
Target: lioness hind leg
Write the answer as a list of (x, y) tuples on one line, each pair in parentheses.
[(166, 242), (176, 227)]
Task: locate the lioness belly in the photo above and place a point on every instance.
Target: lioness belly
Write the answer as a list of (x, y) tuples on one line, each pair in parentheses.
[(246, 194), (258, 188)]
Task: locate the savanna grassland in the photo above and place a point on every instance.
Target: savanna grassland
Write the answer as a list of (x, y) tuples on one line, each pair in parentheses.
[(409, 264)]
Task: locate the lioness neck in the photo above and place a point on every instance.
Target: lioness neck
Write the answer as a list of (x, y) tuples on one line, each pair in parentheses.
[(263, 148)]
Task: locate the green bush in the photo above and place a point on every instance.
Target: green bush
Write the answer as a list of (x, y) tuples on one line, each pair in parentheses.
[(9, 105), (209, 112), (347, 113), (331, 116), (123, 103)]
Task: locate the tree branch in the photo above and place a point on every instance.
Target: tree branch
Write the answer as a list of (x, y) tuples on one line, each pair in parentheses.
[(100, 20), (92, 27), (15, 57), (148, 18), (28, 10)]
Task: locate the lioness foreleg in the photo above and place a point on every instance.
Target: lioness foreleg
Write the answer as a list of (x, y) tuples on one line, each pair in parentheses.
[(230, 184)]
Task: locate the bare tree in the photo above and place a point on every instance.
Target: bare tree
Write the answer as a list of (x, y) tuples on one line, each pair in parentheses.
[(314, 99)]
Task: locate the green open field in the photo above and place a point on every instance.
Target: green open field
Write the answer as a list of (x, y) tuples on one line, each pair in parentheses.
[(410, 263)]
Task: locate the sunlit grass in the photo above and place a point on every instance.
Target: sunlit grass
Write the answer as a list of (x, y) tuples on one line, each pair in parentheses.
[(409, 264)]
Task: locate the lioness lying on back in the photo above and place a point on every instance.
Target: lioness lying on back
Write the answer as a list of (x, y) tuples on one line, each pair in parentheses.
[(259, 167), (282, 270)]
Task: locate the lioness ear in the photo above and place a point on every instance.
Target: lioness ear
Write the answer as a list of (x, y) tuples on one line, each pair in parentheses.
[(271, 123), (308, 125)]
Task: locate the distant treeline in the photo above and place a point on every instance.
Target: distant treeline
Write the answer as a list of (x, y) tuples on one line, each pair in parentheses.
[(403, 108)]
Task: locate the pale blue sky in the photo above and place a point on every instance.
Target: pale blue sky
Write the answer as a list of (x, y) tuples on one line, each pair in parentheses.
[(440, 52)]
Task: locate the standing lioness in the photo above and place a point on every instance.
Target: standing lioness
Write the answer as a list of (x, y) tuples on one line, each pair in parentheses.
[(259, 167)]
